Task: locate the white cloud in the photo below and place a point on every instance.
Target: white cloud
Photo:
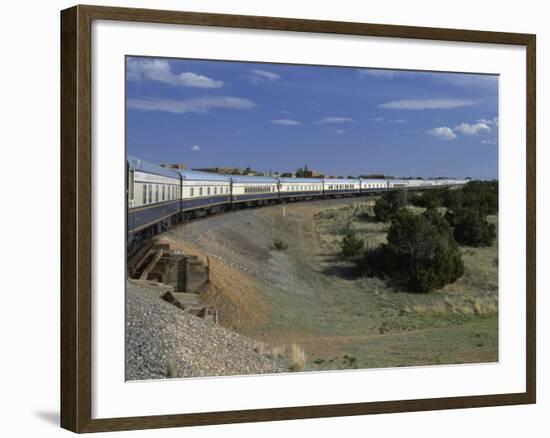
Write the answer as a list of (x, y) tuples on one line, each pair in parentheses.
[(422, 104), (467, 80), (334, 120), (195, 148), (398, 121), (286, 122), (378, 73), (490, 122), (489, 141), (443, 133), (263, 76), (339, 131), (160, 70), (198, 105), (476, 128), (286, 112), (376, 119)]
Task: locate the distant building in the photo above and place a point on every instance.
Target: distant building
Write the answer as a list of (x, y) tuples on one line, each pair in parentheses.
[(311, 174), (178, 166), (222, 170)]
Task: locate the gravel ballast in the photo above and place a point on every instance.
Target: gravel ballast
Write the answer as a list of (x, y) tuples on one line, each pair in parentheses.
[(162, 341)]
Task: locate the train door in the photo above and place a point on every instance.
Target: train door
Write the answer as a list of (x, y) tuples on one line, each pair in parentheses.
[(131, 188)]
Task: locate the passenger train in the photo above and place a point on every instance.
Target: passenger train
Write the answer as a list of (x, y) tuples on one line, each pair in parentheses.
[(158, 197)]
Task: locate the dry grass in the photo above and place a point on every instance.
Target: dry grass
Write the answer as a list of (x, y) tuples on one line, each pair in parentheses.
[(278, 351), (458, 306), (172, 370), (297, 358)]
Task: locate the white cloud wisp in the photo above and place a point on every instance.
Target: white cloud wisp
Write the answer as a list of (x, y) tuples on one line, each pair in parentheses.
[(160, 70), (424, 104), (197, 105)]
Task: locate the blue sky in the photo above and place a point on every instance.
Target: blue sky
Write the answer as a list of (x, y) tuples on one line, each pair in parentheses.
[(338, 120)]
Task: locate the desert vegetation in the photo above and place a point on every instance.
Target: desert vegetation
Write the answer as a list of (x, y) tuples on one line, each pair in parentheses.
[(420, 253), (314, 293), (422, 250)]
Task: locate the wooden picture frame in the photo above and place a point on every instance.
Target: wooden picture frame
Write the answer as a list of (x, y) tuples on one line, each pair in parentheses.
[(76, 217)]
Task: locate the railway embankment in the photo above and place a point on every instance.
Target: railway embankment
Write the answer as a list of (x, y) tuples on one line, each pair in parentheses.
[(163, 341), (307, 295)]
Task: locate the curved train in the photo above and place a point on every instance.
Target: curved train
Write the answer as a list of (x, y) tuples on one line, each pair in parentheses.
[(158, 197)]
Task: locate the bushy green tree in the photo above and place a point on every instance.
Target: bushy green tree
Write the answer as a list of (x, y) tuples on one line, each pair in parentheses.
[(481, 196), (420, 252), (382, 210), (389, 203), (351, 244), (452, 199), (471, 228), (428, 199)]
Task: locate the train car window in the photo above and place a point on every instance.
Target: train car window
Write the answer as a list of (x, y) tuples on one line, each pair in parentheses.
[(191, 191), (163, 192), (144, 194), (150, 190), (208, 190), (200, 191)]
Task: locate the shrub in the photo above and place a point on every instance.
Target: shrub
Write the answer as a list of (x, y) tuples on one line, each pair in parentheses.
[(481, 196), (431, 199), (470, 228), (382, 210), (397, 198), (421, 252), (452, 199), (351, 245), (389, 203), (279, 244)]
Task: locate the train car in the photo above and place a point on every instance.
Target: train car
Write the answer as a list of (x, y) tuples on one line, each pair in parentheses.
[(335, 187), (253, 190), (153, 194), (204, 192), (414, 183), (300, 188), (373, 185), (398, 184)]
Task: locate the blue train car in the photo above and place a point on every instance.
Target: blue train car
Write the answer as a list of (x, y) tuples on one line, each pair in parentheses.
[(254, 189), (373, 185), (153, 196), (300, 188), (204, 192), (341, 187)]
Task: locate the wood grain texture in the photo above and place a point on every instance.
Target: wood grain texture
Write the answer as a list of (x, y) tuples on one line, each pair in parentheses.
[(76, 217)]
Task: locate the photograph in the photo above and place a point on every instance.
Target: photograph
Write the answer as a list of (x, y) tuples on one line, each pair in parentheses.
[(287, 218)]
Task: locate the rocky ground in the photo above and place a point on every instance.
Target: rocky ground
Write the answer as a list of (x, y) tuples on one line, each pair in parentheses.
[(163, 341)]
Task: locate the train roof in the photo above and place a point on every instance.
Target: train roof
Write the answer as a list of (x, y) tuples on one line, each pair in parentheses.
[(340, 180), (301, 180), (145, 166), (196, 175), (373, 180), (253, 179)]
